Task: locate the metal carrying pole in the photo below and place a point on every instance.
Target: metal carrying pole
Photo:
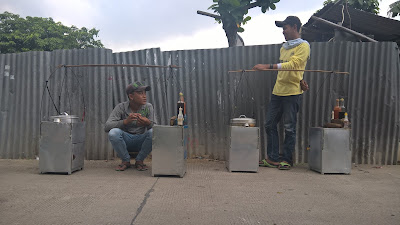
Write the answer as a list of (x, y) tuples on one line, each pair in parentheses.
[(343, 28)]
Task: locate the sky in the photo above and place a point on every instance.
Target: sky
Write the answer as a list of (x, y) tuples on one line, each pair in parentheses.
[(129, 25)]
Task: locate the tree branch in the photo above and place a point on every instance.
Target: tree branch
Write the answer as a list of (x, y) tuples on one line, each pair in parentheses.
[(247, 7), (208, 14), (252, 5)]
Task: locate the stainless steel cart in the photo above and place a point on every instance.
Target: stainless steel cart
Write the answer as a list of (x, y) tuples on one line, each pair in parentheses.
[(243, 150), (169, 152), (329, 150), (62, 145)]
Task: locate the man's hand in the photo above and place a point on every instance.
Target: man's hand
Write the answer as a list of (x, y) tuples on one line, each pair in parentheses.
[(142, 121), (261, 67), (304, 85), (130, 119)]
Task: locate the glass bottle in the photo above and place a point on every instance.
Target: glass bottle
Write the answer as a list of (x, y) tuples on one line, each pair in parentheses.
[(337, 109), (342, 109), (181, 104), (180, 117)]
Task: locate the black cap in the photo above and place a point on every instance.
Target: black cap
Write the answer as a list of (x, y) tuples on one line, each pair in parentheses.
[(136, 86), (291, 20)]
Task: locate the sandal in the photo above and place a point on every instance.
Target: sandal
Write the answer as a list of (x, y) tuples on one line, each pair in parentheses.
[(264, 163), (284, 166), (141, 167), (123, 166)]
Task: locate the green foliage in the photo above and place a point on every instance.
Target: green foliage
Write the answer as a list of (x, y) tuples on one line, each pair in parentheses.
[(232, 12), (394, 9), (42, 34), (371, 6)]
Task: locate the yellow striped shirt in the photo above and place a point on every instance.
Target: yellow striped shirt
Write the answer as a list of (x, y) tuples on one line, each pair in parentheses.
[(288, 82)]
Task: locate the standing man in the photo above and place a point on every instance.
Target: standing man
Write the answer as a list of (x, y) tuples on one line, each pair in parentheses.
[(287, 93), (130, 127)]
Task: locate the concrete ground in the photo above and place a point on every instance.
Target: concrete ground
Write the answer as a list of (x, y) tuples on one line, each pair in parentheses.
[(208, 194)]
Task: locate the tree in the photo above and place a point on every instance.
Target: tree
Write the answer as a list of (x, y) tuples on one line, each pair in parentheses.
[(42, 34), (371, 6), (394, 9), (232, 12)]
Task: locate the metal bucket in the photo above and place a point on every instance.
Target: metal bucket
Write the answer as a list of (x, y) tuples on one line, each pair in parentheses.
[(65, 119)]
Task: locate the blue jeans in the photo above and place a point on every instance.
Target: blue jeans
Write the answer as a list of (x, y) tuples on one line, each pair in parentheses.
[(286, 106), (124, 142)]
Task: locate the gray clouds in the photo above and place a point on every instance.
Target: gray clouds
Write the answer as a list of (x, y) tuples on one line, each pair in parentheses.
[(127, 25)]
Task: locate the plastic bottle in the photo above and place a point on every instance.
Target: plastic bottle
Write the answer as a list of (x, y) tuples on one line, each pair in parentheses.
[(180, 117), (337, 109), (346, 123)]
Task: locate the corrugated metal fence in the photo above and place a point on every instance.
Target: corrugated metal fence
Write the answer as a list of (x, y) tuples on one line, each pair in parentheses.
[(213, 95)]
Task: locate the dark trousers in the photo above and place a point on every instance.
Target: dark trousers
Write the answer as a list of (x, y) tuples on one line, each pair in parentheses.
[(286, 107)]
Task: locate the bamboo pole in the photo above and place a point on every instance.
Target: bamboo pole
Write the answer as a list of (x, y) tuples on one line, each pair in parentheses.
[(119, 65), (316, 71)]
